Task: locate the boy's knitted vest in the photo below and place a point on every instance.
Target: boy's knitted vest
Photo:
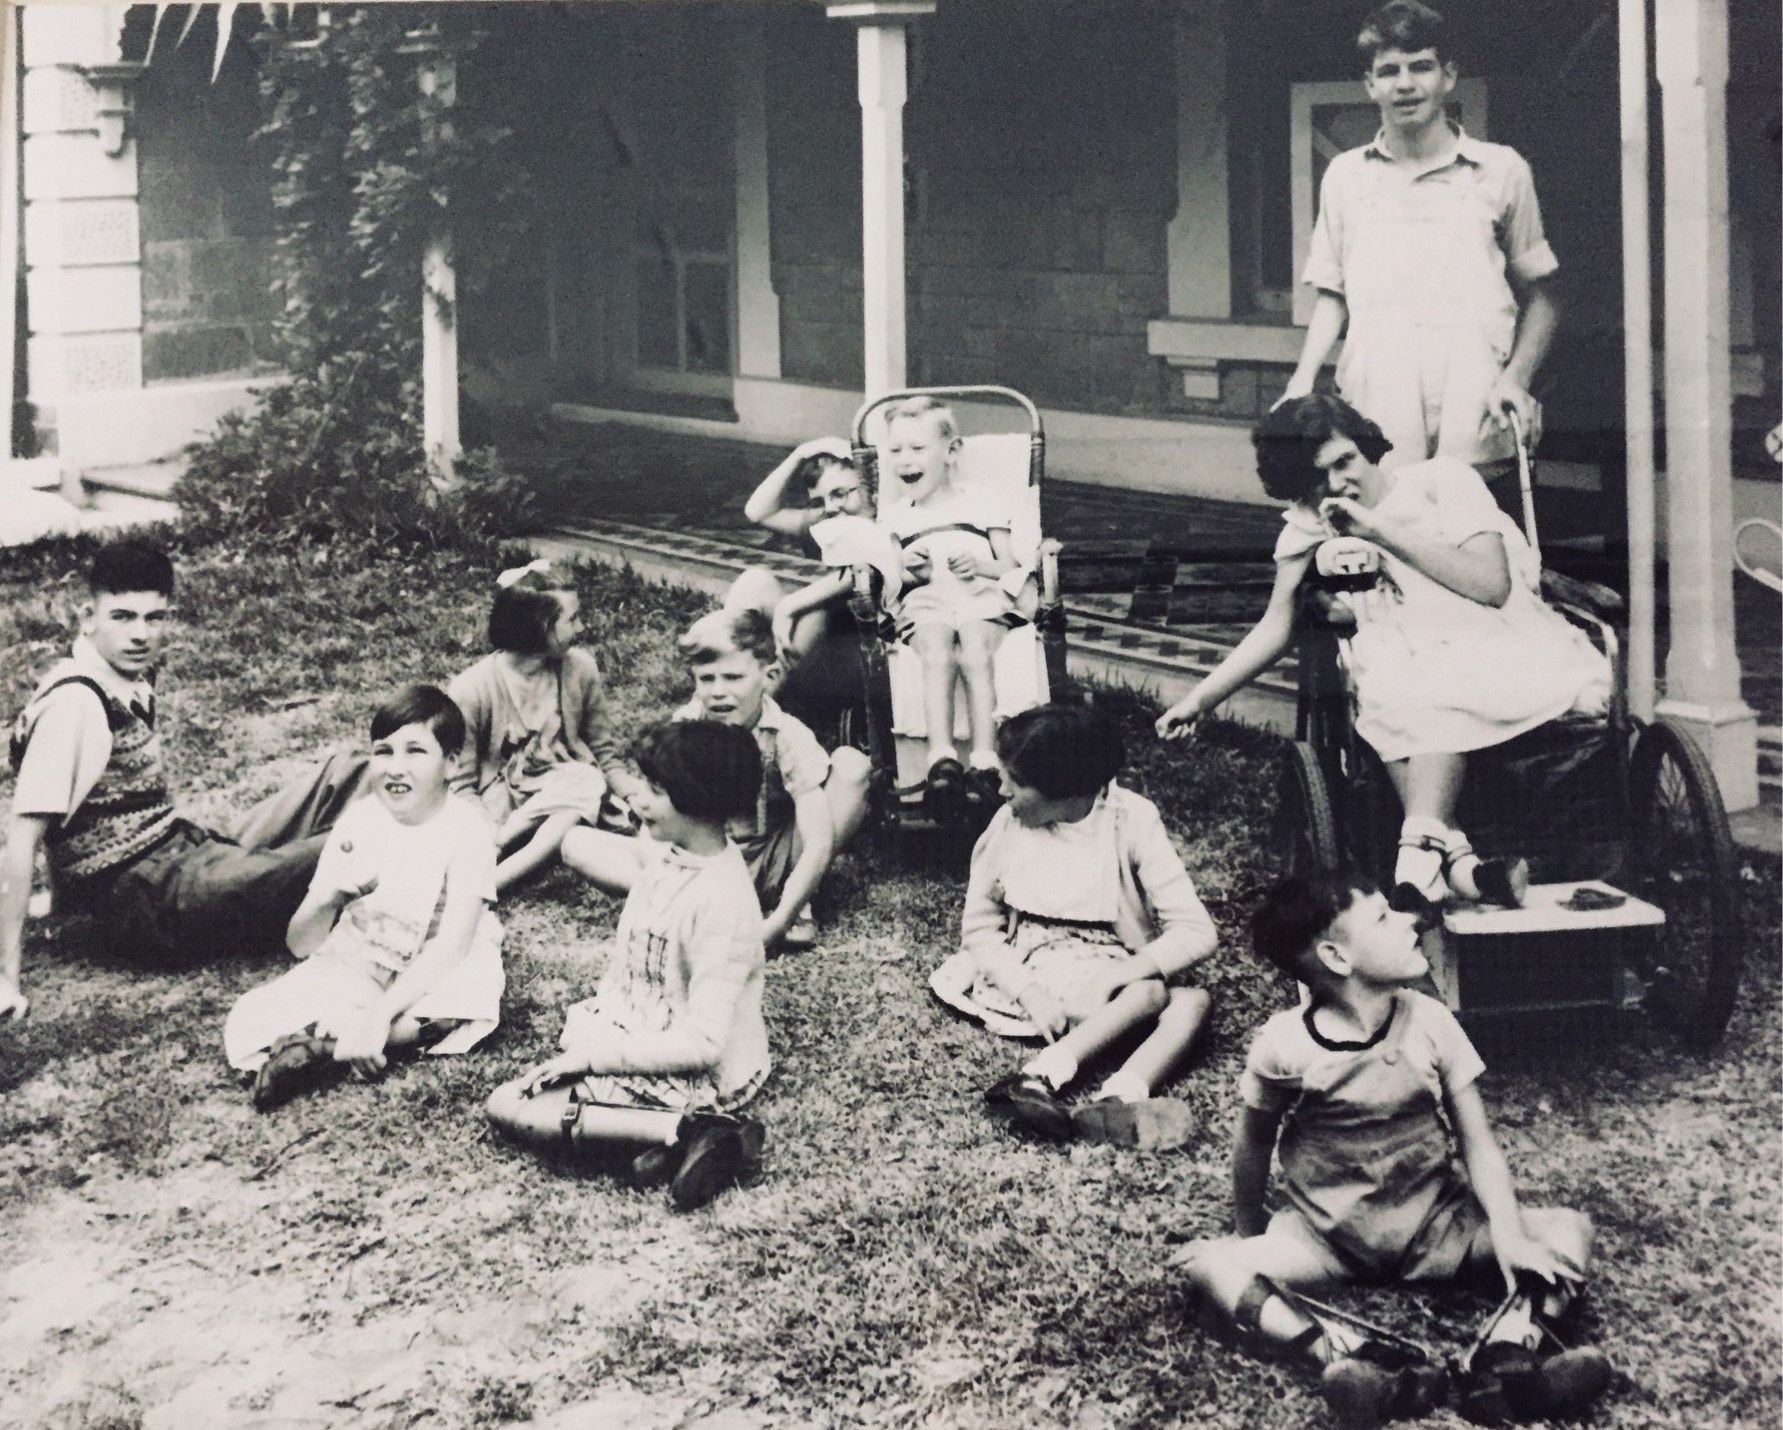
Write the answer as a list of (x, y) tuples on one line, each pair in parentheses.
[(128, 812)]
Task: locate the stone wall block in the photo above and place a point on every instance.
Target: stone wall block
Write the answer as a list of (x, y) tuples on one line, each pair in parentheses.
[(102, 362), (65, 35), (73, 235), (166, 280), (90, 300), (57, 100), (73, 166), (175, 353)]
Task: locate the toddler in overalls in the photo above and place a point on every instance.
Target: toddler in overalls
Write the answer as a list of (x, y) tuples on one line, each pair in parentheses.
[(1390, 1174)]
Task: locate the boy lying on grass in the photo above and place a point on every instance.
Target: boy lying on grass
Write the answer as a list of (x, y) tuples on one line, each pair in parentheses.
[(92, 793), (673, 1041), (1361, 1091), (401, 948), (810, 802)]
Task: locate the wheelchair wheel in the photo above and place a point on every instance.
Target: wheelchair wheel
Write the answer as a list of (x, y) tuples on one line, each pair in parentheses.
[(1682, 858), (1304, 836)]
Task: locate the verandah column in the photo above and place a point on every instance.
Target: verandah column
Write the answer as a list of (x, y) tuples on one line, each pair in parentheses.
[(437, 75), (884, 86), (1702, 668)]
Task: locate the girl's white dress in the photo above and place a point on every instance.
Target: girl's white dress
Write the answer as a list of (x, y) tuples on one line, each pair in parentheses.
[(380, 934), (1434, 671)]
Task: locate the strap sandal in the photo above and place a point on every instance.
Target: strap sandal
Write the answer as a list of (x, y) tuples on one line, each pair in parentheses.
[(1408, 898), (1362, 1391), (1153, 1124), (1034, 1103), (944, 793), (1503, 1381), (295, 1064), (715, 1154), (984, 787)]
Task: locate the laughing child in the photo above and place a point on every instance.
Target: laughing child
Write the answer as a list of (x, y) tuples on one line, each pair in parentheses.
[(399, 942), (955, 610)]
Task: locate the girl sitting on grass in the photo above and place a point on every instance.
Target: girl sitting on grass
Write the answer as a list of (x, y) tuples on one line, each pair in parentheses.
[(542, 752), (400, 945), (673, 1041), (1078, 915)]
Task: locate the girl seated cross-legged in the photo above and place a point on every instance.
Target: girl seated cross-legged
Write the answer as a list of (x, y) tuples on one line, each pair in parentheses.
[(1454, 649), (540, 753), (1079, 915), (657, 1063)]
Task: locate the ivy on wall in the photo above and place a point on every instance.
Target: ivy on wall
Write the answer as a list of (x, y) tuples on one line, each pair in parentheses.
[(367, 170)]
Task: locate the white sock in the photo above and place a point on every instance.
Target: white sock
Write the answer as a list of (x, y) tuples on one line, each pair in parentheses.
[(943, 752), (1418, 866), (1123, 1087), (984, 760), (1053, 1064)]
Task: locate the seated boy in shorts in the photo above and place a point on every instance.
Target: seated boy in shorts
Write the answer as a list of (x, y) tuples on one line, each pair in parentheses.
[(955, 609), (1390, 1174), (810, 802)]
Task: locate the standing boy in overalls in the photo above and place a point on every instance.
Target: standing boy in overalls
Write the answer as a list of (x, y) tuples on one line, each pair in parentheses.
[(1429, 245)]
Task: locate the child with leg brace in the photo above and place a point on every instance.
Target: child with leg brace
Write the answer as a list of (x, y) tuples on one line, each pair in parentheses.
[(1390, 1173)]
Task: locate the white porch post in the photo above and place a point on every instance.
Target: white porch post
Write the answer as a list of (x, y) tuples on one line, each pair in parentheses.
[(439, 301), (884, 86), (1702, 669), (1199, 242), (758, 306), (1637, 338), (10, 204)]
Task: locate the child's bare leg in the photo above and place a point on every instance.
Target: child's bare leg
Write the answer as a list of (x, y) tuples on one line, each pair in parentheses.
[(936, 646), (1241, 1279), (1135, 1004), (608, 861), (1179, 1025), (546, 841), (1432, 849), (846, 791), (755, 589), (978, 642)]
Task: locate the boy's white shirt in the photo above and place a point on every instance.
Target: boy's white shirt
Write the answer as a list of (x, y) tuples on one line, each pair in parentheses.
[(392, 922)]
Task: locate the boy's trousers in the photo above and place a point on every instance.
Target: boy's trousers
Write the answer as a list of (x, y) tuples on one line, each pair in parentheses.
[(203, 894)]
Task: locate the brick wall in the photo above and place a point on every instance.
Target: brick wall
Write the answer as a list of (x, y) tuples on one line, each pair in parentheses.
[(206, 218), (1040, 180)]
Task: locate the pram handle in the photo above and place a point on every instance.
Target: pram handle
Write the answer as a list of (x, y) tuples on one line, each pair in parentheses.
[(863, 450), (1525, 479)]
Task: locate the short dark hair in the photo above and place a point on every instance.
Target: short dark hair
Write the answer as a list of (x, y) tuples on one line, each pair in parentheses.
[(1061, 750), (1297, 911), (708, 770), (806, 474), (1287, 442), (521, 619), (421, 705), (1401, 25), (130, 564), (718, 633)]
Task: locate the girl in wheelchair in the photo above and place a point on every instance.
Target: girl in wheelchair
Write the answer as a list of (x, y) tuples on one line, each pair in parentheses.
[(1453, 650)]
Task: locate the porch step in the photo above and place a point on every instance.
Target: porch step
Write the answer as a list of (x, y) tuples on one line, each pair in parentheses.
[(1101, 641), (152, 481)]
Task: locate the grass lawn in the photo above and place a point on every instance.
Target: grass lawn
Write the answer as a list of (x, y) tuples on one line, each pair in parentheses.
[(372, 1257)]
